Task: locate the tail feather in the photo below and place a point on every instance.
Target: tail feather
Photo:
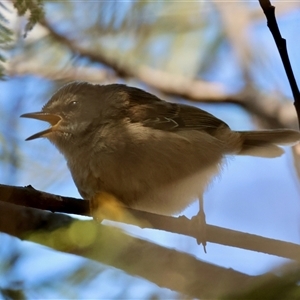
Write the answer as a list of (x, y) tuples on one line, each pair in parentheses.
[(265, 143)]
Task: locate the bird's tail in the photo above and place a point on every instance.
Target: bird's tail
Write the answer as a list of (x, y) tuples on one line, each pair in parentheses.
[(265, 143)]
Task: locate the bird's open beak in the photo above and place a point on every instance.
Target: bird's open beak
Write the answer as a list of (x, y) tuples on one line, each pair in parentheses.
[(50, 118)]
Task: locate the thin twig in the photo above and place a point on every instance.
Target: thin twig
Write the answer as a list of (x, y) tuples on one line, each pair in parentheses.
[(269, 11)]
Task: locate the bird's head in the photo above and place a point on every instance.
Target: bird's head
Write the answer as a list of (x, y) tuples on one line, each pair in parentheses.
[(78, 107)]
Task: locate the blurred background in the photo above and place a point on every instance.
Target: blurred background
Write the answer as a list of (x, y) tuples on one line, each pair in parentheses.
[(216, 55)]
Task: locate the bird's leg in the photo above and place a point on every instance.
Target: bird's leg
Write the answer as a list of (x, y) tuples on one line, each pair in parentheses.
[(94, 209), (106, 206), (200, 222)]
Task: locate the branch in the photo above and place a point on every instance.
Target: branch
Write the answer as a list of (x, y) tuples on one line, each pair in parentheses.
[(165, 267), (169, 84), (17, 67), (269, 11), (283, 8), (30, 197), (277, 114)]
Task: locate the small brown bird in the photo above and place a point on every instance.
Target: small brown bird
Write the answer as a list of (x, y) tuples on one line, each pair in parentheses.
[(147, 153)]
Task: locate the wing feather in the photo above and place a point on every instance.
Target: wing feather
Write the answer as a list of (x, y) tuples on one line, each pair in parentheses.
[(150, 111)]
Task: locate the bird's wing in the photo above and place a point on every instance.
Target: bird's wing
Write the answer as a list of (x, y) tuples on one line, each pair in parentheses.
[(152, 112)]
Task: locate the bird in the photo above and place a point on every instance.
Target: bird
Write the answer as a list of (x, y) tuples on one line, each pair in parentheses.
[(144, 152)]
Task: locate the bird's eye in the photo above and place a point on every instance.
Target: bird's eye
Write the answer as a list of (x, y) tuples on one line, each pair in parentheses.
[(72, 104)]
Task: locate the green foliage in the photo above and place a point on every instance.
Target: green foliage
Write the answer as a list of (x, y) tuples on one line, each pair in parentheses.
[(36, 12), (5, 38)]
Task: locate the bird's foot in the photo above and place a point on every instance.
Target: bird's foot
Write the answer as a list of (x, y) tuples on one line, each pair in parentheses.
[(199, 225)]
